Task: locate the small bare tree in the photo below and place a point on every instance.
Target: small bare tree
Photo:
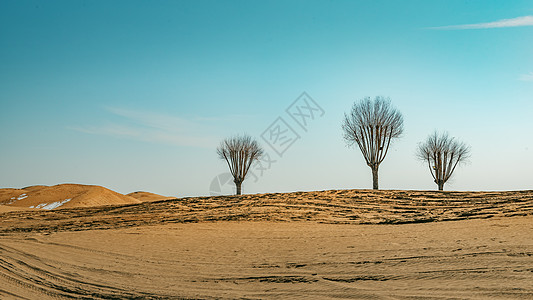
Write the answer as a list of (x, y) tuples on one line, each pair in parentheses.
[(442, 154), (372, 124), (239, 152)]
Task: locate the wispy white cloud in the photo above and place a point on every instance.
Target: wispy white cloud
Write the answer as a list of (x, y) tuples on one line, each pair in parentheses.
[(514, 22), (526, 77), (152, 119), (155, 128), (110, 129)]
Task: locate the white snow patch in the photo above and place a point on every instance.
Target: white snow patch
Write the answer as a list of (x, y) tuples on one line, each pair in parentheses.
[(15, 199), (32, 206), (53, 204)]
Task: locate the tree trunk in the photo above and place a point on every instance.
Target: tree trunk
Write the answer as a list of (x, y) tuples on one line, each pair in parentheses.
[(238, 185), (441, 186), (375, 177)]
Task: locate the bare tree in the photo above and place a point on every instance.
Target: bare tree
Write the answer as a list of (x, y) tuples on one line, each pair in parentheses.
[(442, 154), (239, 152), (372, 124)]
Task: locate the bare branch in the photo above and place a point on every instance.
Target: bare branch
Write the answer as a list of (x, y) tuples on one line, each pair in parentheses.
[(239, 152), (445, 153), (372, 124)]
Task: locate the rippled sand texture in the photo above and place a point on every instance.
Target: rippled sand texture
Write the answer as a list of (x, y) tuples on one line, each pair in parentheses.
[(335, 207), (298, 245)]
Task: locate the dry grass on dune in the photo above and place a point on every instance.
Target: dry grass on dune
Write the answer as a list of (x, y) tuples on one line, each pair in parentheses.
[(334, 207)]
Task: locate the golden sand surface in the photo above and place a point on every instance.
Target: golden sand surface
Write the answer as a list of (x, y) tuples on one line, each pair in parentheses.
[(61, 196), (148, 197), (349, 244)]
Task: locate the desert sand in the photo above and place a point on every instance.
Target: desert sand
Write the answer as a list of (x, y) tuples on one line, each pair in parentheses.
[(349, 244), (61, 196), (148, 197)]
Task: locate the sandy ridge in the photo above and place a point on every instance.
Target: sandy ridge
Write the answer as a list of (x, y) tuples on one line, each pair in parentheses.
[(333, 207), (68, 195)]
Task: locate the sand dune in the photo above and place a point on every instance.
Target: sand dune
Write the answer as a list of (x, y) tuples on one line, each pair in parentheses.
[(7, 208), (348, 244), (148, 197), (333, 207), (61, 196)]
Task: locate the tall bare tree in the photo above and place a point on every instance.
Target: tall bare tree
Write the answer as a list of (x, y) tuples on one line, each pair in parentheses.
[(442, 154), (239, 152), (372, 124)]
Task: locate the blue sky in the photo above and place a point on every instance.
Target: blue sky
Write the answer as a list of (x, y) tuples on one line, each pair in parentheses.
[(136, 95)]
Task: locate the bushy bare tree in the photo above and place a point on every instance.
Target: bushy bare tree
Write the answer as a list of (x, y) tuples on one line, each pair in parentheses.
[(372, 124), (442, 154), (239, 152)]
